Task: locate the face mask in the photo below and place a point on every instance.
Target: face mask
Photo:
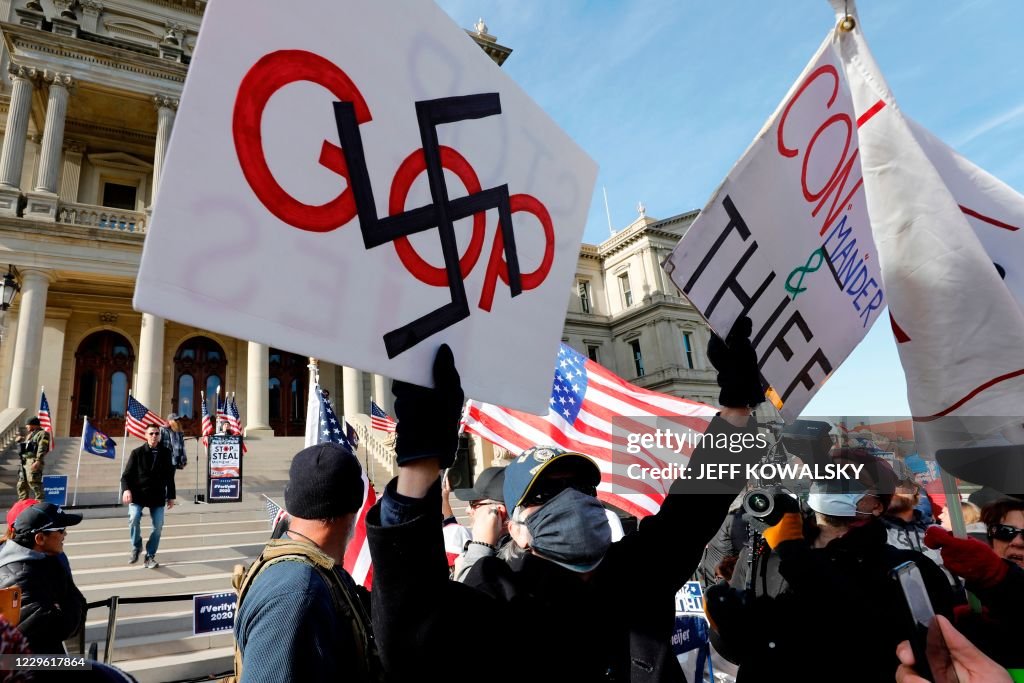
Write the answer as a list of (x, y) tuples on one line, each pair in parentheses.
[(572, 530), (835, 504)]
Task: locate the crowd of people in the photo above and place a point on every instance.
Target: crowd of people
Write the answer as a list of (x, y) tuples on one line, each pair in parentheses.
[(543, 583)]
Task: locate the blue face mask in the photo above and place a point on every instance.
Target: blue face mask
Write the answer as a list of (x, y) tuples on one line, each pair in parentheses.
[(572, 530), (835, 504)]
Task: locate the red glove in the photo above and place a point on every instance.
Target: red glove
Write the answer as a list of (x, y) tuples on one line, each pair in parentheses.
[(967, 557)]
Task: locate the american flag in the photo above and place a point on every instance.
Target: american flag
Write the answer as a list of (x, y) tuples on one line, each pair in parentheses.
[(139, 417), (207, 424), (381, 420), (232, 416), (221, 410), (44, 416), (357, 554), (274, 511), (585, 398)]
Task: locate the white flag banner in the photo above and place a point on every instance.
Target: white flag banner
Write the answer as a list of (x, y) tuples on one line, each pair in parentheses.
[(786, 240), (368, 196), (951, 254)]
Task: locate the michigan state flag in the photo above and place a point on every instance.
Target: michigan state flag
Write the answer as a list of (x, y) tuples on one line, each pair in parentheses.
[(96, 442)]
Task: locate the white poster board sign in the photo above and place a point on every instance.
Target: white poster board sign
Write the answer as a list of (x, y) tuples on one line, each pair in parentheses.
[(786, 240), (366, 232)]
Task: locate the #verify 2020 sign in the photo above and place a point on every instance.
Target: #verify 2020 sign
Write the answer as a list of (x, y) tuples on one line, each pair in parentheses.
[(786, 240), (372, 185)]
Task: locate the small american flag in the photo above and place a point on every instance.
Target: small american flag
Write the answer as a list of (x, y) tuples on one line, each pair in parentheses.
[(381, 420), (233, 417), (274, 512), (221, 409), (207, 425), (585, 398), (139, 417), (44, 415), (357, 554)]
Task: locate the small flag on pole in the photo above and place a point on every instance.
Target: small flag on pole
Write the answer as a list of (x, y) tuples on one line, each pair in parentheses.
[(381, 420), (44, 415), (96, 442), (207, 424), (233, 417), (138, 417)]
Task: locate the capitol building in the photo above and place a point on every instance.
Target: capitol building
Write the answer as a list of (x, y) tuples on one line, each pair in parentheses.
[(88, 100)]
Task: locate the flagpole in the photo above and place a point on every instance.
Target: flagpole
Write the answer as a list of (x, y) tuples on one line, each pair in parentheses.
[(205, 408), (124, 447), (78, 469)]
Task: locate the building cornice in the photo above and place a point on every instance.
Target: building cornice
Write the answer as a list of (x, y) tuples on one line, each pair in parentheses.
[(80, 58)]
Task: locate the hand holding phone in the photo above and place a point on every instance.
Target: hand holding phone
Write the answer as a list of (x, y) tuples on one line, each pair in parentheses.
[(931, 656)]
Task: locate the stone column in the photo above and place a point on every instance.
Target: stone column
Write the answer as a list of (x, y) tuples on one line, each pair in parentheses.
[(28, 344), (42, 203), (257, 397), (352, 387), (166, 106), (148, 388), (71, 173), (12, 158), (382, 394)]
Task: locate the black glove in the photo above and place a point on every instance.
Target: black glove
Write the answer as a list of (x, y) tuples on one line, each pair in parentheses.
[(428, 419), (736, 362)]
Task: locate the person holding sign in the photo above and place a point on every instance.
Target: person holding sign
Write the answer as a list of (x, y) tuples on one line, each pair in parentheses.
[(606, 607), (148, 481)]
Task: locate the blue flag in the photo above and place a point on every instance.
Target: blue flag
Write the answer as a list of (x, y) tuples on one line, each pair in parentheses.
[(96, 442)]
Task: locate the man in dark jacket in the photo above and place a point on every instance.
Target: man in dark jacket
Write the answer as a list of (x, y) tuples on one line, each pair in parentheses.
[(148, 482), (602, 611), (51, 606)]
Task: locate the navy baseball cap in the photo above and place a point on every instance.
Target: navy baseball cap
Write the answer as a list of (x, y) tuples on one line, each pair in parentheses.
[(44, 517), (489, 486), (523, 472)]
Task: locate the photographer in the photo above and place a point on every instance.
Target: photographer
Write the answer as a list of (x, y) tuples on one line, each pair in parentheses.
[(831, 585), (33, 448)]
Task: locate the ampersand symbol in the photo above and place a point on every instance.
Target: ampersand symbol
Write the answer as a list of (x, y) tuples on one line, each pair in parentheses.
[(814, 262)]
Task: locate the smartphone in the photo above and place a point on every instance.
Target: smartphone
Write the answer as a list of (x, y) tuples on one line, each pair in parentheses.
[(931, 656)]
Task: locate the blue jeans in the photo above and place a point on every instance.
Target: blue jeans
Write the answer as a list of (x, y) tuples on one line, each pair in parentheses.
[(135, 527)]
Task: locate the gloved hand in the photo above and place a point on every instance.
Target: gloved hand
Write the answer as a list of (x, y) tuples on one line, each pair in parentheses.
[(428, 419), (967, 557), (789, 528), (736, 362)]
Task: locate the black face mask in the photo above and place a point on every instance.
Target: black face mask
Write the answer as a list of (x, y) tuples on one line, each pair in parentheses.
[(572, 530)]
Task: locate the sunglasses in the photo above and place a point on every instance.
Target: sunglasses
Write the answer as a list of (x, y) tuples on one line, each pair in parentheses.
[(1004, 532), (544, 491), (482, 503), (62, 530)]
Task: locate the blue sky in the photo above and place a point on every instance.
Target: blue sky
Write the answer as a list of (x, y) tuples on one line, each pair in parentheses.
[(666, 94)]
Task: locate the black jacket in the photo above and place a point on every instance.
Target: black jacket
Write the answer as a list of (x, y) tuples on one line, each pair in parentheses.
[(151, 482), (52, 607), (838, 617), (616, 626), (998, 630)]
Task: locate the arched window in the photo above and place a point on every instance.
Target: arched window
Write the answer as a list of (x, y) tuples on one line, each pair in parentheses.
[(212, 385), (289, 377), (103, 369), (186, 396), (118, 394), (275, 399)]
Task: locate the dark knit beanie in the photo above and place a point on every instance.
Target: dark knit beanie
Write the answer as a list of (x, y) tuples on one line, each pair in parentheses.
[(324, 481)]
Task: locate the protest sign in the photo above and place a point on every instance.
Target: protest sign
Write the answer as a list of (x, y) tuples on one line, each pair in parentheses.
[(213, 613), (786, 240), (55, 489), (376, 198), (224, 469)]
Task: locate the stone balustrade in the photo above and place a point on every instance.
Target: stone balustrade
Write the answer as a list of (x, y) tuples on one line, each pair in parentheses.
[(102, 217)]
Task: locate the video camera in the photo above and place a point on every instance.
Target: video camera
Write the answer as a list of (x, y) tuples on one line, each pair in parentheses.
[(768, 504)]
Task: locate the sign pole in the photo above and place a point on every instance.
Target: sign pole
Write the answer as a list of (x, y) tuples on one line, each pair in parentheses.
[(78, 469), (124, 447)]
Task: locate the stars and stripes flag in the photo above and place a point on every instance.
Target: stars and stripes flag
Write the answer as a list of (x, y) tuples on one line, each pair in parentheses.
[(232, 416), (585, 399), (221, 408), (274, 511), (44, 416), (139, 417), (332, 430), (381, 420), (207, 424)]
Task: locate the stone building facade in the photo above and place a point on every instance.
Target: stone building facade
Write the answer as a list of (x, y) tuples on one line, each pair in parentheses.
[(88, 97)]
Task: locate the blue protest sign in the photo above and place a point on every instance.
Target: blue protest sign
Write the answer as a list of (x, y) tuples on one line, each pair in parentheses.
[(55, 489), (690, 633), (213, 613), (690, 599)]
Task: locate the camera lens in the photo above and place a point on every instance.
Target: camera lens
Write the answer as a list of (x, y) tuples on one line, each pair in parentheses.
[(759, 502)]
